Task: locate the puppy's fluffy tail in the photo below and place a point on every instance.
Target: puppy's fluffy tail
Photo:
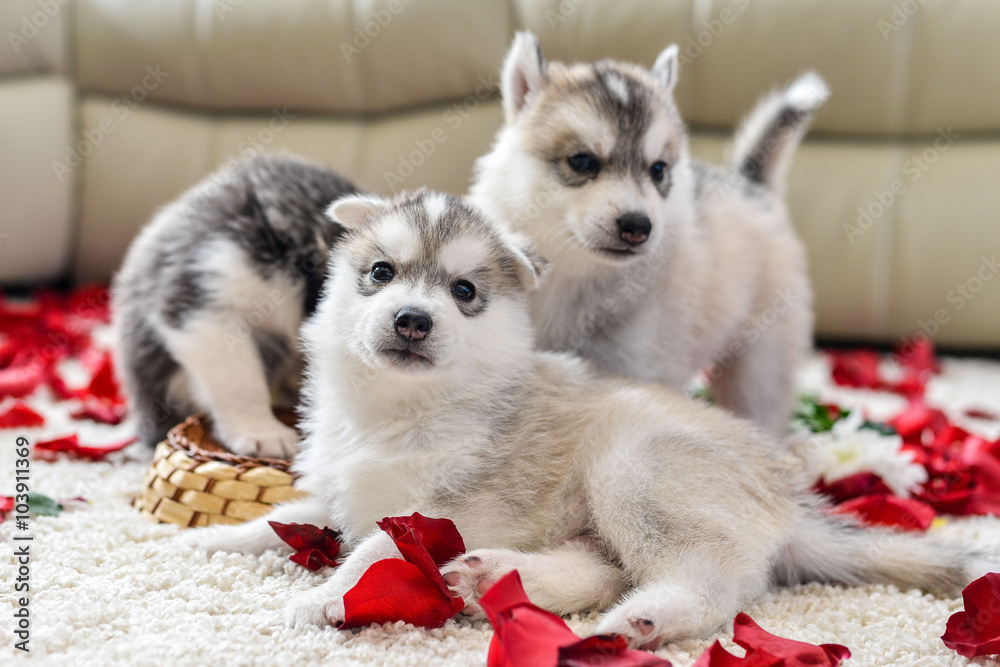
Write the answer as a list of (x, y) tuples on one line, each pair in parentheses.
[(835, 549), (767, 137)]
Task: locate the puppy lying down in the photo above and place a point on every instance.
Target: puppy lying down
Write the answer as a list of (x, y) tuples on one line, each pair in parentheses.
[(424, 394)]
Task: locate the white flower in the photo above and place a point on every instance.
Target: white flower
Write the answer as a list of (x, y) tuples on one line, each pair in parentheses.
[(850, 449)]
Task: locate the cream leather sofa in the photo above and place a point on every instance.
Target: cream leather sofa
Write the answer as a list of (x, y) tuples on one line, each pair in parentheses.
[(110, 108)]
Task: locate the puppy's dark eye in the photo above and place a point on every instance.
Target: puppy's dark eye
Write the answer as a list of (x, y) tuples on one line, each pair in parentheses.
[(658, 171), (382, 273), (584, 163), (464, 290)]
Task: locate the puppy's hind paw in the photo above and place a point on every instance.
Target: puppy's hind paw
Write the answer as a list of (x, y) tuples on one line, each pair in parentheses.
[(473, 574)]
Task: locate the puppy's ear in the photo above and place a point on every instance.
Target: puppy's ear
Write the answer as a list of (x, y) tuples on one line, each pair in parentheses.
[(524, 74), (530, 265), (354, 211), (666, 66)]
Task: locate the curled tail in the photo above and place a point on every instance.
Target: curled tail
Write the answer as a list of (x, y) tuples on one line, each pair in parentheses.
[(767, 137), (835, 549)]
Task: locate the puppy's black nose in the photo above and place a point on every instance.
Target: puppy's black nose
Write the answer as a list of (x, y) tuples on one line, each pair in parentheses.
[(413, 324), (634, 228)]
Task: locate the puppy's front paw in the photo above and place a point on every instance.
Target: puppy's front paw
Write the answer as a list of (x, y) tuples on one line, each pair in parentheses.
[(210, 540), (314, 608), (473, 574), (272, 440)]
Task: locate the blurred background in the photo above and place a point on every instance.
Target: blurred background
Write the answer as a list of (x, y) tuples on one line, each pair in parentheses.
[(111, 108)]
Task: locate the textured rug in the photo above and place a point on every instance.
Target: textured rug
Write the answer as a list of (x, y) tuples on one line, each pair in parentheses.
[(110, 588)]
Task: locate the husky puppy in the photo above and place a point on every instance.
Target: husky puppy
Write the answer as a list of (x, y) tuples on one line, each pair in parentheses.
[(661, 265), (424, 393), (210, 297)]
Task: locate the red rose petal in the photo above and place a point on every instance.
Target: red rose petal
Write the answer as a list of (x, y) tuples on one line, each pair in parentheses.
[(853, 486), (314, 547), (103, 383), (889, 510), (20, 381), (602, 650), (411, 589), (525, 634), (20, 415), (438, 537), (100, 412), (755, 639), (396, 590), (855, 368), (975, 631), (917, 355), (717, 656), (70, 444)]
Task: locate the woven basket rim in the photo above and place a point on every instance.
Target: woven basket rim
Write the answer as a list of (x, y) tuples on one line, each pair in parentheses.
[(181, 438)]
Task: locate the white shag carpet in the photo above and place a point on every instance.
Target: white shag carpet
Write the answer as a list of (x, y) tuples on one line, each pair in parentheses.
[(110, 588)]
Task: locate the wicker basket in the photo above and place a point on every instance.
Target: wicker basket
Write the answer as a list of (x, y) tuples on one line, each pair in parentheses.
[(194, 481)]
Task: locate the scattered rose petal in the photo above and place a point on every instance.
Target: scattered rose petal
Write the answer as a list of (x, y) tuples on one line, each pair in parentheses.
[(70, 444), (851, 487), (100, 412), (6, 505), (917, 355), (525, 634), (103, 384), (855, 368), (975, 630), (314, 547), (410, 589), (888, 510), (766, 650), (20, 415)]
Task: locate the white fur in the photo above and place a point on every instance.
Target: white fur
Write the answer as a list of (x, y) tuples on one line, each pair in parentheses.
[(463, 255)]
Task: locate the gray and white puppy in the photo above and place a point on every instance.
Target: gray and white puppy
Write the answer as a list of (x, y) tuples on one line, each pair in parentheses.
[(661, 265), (424, 394), (211, 295)]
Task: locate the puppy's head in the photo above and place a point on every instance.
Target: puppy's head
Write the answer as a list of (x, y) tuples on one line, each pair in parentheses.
[(426, 285), (599, 147)]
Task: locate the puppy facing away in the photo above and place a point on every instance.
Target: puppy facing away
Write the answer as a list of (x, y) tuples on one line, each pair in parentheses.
[(661, 265), (424, 394), (211, 295)]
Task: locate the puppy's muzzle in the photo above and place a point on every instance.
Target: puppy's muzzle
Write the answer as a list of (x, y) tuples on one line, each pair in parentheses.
[(413, 324), (634, 228)]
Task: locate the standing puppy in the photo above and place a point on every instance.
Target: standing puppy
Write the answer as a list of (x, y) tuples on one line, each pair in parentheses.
[(661, 265), (209, 300), (424, 394)]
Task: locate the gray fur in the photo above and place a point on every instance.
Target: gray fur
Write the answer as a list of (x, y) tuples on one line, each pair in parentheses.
[(266, 215)]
